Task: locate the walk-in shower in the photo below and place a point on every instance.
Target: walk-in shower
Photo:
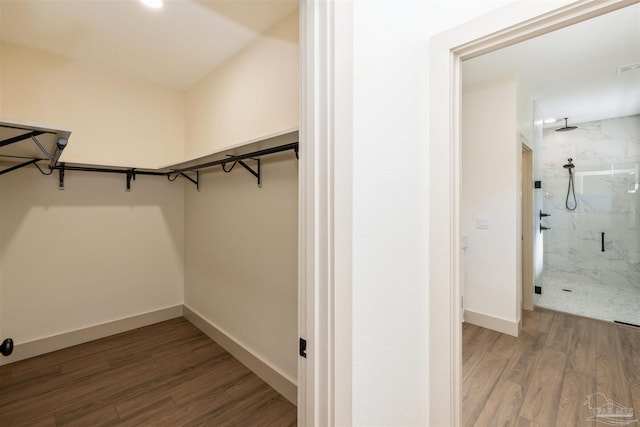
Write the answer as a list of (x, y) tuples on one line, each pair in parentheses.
[(591, 255)]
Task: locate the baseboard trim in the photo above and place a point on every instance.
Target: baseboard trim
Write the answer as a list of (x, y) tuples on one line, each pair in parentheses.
[(490, 322), (269, 373), (41, 346)]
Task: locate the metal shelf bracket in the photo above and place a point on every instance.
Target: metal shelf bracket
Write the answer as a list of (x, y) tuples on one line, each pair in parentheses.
[(194, 181), (131, 174), (253, 172), (61, 177)]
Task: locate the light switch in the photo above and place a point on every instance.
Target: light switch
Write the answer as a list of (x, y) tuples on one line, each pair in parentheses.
[(482, 223)]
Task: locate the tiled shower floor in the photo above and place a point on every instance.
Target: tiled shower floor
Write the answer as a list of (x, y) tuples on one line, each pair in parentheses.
[(591, 300)]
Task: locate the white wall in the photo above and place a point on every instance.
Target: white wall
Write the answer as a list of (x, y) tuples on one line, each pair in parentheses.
[(253, 94), (87, 255), (241, 252), (389, 172), (115, 119), (241, 240), (490, 190), (524, 115)]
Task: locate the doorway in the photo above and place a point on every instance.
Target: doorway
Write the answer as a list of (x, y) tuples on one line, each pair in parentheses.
[(590, 260), (447, 52)]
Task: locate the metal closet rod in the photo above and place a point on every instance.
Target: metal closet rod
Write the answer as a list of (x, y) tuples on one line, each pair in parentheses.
[(291, 146), (63, 166), (132, 172)]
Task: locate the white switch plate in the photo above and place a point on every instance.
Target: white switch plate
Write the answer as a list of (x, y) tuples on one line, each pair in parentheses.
[(482, 223)]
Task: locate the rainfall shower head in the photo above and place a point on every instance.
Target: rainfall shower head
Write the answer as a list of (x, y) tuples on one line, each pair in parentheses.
[(566, 128), (569, 164)]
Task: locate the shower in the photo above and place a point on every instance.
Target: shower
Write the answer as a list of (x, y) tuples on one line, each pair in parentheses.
[(591, 257), (571, 189)]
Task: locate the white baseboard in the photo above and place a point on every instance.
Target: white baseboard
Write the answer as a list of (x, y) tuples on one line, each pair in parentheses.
[(490, 322), (284, 385), (57, 342)]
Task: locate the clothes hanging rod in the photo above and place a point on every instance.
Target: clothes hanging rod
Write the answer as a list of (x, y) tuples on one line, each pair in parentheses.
[(240, 157), (107, 170), (259, 153)]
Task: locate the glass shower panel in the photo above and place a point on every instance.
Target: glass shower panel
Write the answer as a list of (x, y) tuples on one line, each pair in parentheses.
[(592, 253)]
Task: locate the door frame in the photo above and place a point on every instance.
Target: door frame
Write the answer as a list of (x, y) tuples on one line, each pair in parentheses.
[(501, 28), (527, 227)]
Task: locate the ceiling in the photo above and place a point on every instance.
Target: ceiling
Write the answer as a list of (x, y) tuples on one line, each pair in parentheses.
[(572, 72), (174, 46)]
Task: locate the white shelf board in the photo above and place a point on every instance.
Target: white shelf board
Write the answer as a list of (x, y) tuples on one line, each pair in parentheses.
[(27, 149), (258, 144)]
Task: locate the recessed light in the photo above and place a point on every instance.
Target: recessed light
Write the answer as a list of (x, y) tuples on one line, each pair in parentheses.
[(153, 4)]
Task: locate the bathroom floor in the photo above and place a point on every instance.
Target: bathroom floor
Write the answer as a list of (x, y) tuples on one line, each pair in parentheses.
[(592, 300)]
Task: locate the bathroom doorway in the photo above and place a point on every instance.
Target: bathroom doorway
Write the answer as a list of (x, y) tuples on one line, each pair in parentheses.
[(586, 107)]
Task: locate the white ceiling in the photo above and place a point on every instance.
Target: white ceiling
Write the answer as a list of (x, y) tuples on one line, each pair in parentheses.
[(572, 72), (174, 46)]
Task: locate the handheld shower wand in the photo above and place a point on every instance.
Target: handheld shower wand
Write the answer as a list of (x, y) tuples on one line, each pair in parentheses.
[(571, 189)]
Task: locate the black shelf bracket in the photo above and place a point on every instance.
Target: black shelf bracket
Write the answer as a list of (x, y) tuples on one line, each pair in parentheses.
[(255, 173), (196, 181), (61, 176), (131, 174)]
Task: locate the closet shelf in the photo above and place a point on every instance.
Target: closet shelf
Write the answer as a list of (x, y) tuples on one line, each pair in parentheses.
[(256, 148), (230, 157), (25, 143)]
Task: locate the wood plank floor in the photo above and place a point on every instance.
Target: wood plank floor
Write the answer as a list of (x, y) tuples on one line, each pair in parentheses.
[(168, 374), (545, 376)]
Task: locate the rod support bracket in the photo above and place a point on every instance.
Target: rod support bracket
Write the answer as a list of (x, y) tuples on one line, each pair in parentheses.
[(255, 172), (61, 177), (131, 174), (196, 181)]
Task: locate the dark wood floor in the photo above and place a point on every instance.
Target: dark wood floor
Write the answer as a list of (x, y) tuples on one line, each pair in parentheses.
[(168, 374), (544, 377)]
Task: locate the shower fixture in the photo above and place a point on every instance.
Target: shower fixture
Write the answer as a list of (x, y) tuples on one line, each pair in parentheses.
[(569, 165), (571, 189), (566, 127)]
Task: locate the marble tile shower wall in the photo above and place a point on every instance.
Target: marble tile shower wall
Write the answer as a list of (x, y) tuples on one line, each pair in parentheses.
[(606, 155)]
